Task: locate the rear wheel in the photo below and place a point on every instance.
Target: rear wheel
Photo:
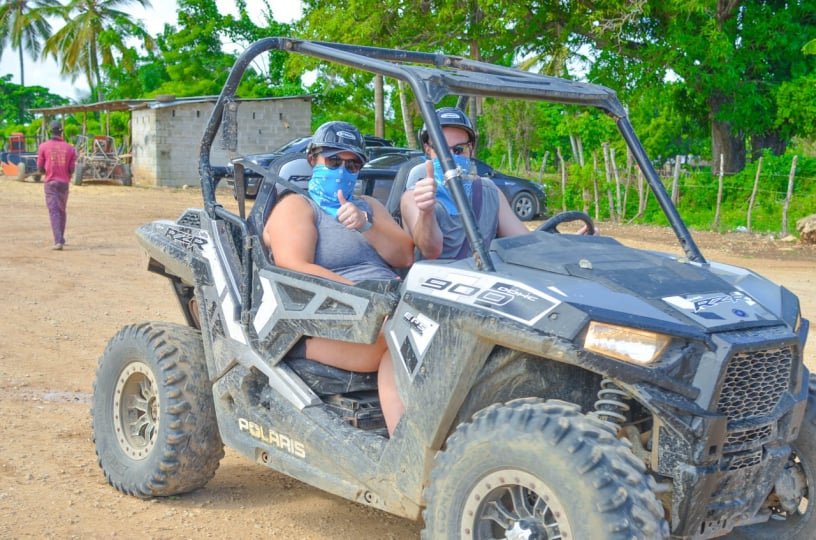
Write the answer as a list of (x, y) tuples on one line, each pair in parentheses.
[(524, 206), (127, 175), (154, 422), (78, 171), (534, 469)]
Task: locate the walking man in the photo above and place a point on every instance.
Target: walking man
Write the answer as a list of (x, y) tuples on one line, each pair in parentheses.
[(56, 160)]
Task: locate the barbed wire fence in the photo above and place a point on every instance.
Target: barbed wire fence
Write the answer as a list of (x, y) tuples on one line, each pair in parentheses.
[(684, 182)]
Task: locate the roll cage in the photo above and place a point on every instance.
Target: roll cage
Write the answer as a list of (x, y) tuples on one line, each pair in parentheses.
[(431, 76)]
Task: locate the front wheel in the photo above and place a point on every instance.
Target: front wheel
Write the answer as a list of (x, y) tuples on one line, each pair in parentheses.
[(534, 469), (154, 422), (791, 504)]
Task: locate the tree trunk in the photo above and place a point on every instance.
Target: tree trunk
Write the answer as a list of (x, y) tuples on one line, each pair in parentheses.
[(21, 115), (771, 140), (379, 107), (724, 139), (410, 136)]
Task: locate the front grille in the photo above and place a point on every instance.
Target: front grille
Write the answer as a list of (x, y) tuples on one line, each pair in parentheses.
[(754, 383), (744, 459), (753, 436)]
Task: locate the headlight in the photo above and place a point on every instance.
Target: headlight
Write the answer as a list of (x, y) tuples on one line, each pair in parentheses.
[(798, 325), (628, 344)]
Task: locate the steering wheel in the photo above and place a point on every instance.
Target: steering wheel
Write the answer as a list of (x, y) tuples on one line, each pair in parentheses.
[(551, 225)]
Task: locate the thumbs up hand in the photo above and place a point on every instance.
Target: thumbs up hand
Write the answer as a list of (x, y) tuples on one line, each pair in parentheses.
[(349, 215), (425, 190)]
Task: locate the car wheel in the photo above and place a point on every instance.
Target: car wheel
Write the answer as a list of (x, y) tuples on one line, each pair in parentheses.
[(154, 424), (536, 469), (525, 206)]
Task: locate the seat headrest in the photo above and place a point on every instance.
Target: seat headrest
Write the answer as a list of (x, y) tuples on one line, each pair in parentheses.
[(296, 170)]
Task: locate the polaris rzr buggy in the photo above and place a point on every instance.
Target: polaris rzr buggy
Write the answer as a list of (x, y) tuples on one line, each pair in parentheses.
[(555, 385)]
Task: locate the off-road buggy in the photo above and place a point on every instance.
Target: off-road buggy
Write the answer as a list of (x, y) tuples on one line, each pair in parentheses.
[(555, 385), (99, 160)]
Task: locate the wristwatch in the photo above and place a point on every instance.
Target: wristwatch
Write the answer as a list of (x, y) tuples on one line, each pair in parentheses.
[(368, 223)]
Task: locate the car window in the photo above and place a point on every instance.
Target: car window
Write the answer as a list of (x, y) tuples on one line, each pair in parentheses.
[(388, 160), (295, 145), (483, 169)]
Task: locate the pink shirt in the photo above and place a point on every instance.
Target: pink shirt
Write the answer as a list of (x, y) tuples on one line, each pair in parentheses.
[(57, 158)]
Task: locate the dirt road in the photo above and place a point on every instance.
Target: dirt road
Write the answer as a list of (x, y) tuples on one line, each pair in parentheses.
[(60, 308)]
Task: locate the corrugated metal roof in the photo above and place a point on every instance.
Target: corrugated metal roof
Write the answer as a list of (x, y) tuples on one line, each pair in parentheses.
[(152, 103)]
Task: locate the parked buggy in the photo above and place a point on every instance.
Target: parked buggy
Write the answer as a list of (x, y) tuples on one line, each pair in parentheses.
[(17, 161), (98, 159)]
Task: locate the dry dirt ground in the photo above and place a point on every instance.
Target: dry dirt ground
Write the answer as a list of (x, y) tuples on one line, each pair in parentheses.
[(62, 307)]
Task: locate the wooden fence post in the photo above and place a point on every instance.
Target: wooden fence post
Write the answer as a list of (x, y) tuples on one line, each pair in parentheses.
[(621, 201), (675, 192), (785, 207), (563, 179), (613, 213), (595, 185), (719, 195), (753, 194), (543, 166)]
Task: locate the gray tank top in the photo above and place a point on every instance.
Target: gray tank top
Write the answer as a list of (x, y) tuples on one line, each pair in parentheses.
[(344, 251), (453, 231)]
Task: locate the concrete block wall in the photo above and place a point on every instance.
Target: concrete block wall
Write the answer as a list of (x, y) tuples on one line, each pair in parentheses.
[(166, 140)]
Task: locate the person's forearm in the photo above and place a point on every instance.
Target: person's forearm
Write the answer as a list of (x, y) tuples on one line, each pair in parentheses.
[(427, 235), (316, 270), (392, 244)]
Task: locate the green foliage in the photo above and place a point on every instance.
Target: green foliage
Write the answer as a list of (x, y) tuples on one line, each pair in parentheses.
[(698, 195), (13, 96), (93, 35)]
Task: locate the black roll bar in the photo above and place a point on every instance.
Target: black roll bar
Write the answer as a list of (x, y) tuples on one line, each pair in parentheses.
[(448, 75)]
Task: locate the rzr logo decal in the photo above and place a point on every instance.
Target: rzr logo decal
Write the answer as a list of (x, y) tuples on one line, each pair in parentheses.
[(186, 239), (701, 304)]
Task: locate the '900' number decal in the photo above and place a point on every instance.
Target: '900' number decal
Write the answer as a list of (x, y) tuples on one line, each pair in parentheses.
[(502, 297)]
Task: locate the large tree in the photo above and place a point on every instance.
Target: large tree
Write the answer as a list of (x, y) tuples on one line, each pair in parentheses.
[(11, 95), (95, 31), (24, 27), (731, 56)]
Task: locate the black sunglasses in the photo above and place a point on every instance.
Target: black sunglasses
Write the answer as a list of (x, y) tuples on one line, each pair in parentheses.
[(459, 149), (352, 165)]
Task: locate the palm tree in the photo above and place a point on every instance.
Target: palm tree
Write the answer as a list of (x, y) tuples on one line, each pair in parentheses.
[(23, 26), (94, 31)]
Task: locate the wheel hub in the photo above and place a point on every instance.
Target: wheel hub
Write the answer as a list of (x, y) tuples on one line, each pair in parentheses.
[(136, 409), (515, 505), (523, 530)]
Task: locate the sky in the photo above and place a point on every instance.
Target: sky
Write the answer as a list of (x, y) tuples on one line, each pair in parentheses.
[(46, 73)]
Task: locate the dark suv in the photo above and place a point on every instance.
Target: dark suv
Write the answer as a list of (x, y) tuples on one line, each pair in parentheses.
[(527, 199), (298, 145)]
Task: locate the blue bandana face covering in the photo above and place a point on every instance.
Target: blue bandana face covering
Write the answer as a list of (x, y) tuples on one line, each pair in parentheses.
[(324, 184), (444, 196)]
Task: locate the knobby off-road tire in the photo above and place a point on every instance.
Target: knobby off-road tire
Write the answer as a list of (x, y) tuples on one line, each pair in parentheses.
[(154, 422), (127, 175), (78, 171), (539, 469), (802, 463)]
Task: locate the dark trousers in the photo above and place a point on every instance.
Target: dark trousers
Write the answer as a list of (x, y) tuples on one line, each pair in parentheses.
[(56, 199)]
